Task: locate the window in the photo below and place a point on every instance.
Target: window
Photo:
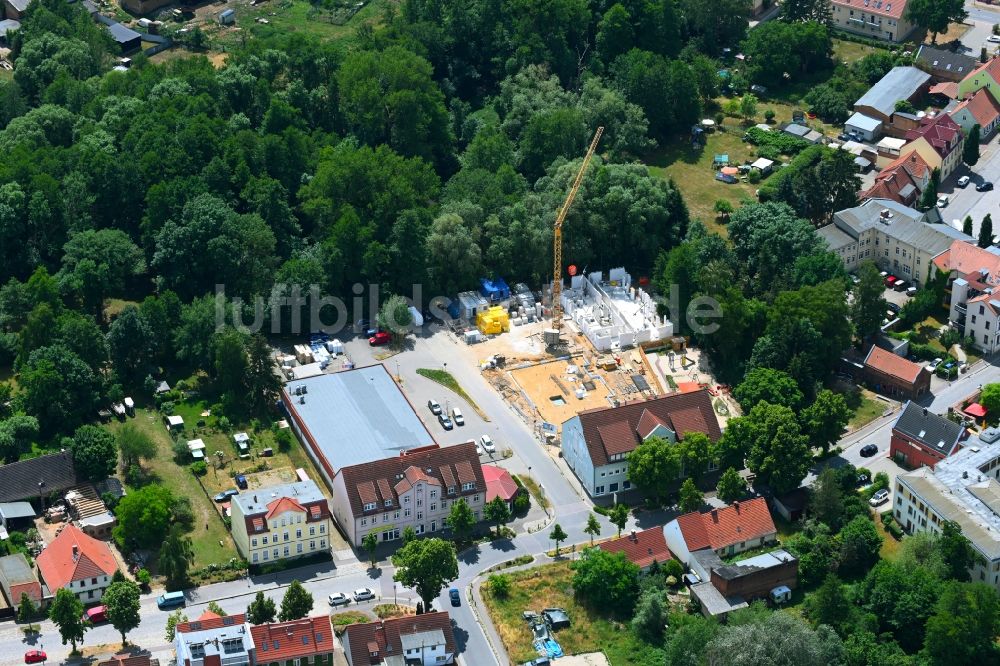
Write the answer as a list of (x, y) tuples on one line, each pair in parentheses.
[(298, 534), (973, 319), (369, 506), (322, 543), (266, 555), (420, 515), (322, 528), (451, 490), (312, 545), (364, 521), (406, 500), (388, 502), (613, 487), (434, 493), (395, 516), (475, 499), (468, 486), (255, 557), (286, 551), (982, 310), (420, 502), (385, 517), (312, 530), (406, 513), (286, 536), (275, 553), (253, 543), (599, 490), (434, 507), (93, 581), (90, 594), (626, 485)]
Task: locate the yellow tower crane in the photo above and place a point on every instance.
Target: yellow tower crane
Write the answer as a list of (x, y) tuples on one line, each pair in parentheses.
[(557, 309)]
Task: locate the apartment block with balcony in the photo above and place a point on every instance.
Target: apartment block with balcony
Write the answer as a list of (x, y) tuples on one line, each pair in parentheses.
[(875, 19), (281, 522), (964, 489), (974, 303)]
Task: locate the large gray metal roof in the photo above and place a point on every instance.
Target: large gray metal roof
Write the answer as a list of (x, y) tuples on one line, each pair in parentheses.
[(899, 84), (357, 416)]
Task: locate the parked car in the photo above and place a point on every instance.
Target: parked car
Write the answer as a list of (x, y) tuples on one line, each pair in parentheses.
[(445, 422), (868, 450), (169, 600), (758, 90), (539, 661), (935, 363), (379, 339), (993, 38), (488, 444), (457, 417), (900, 285), (893, 307), (339, 599), (880, 497), (434, 406), (35, 657), (942, 201), (963, 181), (363, 594), (889, 280), (226, 494), (95, 615), (984, 186), (455, 596), (241, 481)]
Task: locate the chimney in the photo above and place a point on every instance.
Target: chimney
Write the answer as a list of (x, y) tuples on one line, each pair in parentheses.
[(736, 505), (633, 537), (715, 515), (76, 552), (925, 411), (255, 499)]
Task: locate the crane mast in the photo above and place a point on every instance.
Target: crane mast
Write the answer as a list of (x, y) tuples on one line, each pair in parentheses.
[(557, 309)]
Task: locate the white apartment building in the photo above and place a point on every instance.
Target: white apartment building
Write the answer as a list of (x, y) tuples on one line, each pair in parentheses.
[(965, 489), (281, 522)]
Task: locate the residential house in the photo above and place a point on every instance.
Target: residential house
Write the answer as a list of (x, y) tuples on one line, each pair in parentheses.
[(17, 577), (37, 478), (499, 483), (894, 375), (305, 642), (898, 85), (281, 522), (641, 548), (414, 489), (896, 237), (727, 531), (980, 109), (921, 438), (944, 65), (974, 277), (15, 9), (212, 640), (875, 19), (964, 489), (596, 442), (939, 140), (78, 562), (730, 587), (902, 180), (985, 76), (417, 640)]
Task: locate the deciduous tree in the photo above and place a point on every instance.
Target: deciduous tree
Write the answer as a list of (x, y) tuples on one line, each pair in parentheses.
[(654, 466), (261, 610), (497, 511), (176, 556), (606, 580), (66, 612), (766, 384), (426, 565), (593, 527), (95, 455), (824, 420), (121, 602), (461, 520), (731, 486), (618, 515), (935, 15), (691, 499), (558, 534)]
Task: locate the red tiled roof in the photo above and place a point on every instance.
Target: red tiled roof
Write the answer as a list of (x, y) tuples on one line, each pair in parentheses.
[(910, 169), (618, 437), (947, 88), (982, 106), (886, 8), (211, 623), (59, 566), (499, 483), (360, 640), (440, 465), (126, 660), (721, 528), (991, 67), (987, 301), (311, 636), (208, 615), (966, 258), (678, 410), (641, 548), (941, 132), (892, 365), (649, 422), (281, 505)]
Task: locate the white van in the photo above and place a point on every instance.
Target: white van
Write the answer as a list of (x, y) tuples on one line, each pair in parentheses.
[(456, 416), (781, 594)]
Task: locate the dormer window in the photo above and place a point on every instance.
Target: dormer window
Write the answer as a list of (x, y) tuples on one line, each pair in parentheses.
[(468, 486), (370, 506), (451, 490), (388, 502)]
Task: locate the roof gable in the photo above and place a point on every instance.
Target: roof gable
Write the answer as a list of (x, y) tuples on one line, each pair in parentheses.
[(60, 564), (892, 365), (435, 466), (387, 636), (292, 640), (721, 528), (685, 412), (19, 480), (641, 548), (934, 432)]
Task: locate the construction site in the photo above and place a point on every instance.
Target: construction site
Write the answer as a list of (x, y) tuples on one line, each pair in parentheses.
[(597, 344)]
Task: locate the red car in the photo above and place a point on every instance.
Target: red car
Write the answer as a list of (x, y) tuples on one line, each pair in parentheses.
[(380, 338), (34, 657), (890, 280)]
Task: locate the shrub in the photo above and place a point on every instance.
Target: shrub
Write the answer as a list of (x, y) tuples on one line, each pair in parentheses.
[(199, 468), (674, 568), (499, 585), (895, 530), (143, 576), (769, 116), (167, 407), (754, 176), (887, 518), (785, 144), (284, 439), (522, 502)]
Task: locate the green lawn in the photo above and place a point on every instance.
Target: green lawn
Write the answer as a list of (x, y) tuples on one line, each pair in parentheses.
[(300, 16), (866, 410), (534, 490), (447, 380), (210, 539), (551, 586), (850, 52)]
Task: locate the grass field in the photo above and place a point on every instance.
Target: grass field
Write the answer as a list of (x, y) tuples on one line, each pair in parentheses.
[(300, 16), (890, 547), (850, 52), (447, 380), (534, 490), (210, 539), (866, 409), (551, 586)]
